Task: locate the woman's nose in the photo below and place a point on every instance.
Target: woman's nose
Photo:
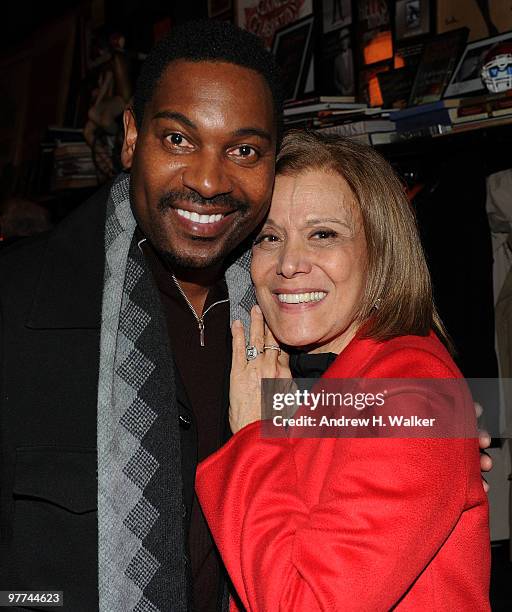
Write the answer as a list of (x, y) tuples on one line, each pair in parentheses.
[(293, 259)]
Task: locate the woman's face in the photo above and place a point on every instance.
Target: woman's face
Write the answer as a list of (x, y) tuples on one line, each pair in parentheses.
[(309, 262)]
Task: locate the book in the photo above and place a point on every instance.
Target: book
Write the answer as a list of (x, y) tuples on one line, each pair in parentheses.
[(417, 122), (73, 150), (321, 100), (426, 131), (63, 134), (378, 138), (381, 138), (422, 109), (438, 61), (321, 106), (75, 182), (359, 127), (395, 86), (483, 123), (326, 115), (502, 112), (458, 117)]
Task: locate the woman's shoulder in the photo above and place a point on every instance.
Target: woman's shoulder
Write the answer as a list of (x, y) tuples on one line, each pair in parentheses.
[(400, 357)]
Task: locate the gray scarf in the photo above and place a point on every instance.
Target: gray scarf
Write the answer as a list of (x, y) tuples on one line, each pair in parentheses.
[(140, 507)]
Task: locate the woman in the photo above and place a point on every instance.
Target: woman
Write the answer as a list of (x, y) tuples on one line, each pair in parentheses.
[(350, 523)]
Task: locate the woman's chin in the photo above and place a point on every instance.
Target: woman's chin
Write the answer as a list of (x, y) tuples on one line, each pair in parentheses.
[(299, 342)]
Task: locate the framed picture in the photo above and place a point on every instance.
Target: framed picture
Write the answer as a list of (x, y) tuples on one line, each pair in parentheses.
[(292, 49), (374, 38), (216, 8), (484, 18), (336, 14), (412, 18), (466, 76), (265, 18), (438, 61), (336, 66), (368, 84)]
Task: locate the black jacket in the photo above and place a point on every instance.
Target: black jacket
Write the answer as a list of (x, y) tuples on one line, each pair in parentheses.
[(50, 313)]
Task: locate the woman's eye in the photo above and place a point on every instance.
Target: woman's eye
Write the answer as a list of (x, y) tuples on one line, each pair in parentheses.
[(266, 238), (324, 234)]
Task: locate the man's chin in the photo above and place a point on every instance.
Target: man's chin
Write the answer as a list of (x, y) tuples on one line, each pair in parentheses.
[(190, 261)]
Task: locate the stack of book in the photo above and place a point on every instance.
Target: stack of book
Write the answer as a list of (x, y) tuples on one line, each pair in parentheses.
[(432, 119), (372, 131), (483, 111), (378, 126), (453, 115), (341, 116), (74, 166), (70, 157), (320, 111)]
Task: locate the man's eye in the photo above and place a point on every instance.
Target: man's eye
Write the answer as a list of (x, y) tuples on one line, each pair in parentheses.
[(244, 152), (177, 140)]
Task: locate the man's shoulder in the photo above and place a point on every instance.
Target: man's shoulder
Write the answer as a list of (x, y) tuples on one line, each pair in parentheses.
[(82, 228)]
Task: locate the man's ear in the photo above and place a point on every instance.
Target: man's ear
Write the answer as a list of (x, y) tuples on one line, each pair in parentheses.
[(130, 138)]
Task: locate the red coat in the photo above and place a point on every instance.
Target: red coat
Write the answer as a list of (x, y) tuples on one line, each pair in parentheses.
[(353, 524)]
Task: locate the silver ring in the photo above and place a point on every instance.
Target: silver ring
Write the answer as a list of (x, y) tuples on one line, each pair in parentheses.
[(251, 352), (272, 347)]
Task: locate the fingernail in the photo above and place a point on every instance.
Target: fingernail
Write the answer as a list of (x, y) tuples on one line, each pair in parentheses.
[(485, 438), (257, 309)]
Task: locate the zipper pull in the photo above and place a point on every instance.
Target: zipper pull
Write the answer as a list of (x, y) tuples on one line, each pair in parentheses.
[(200, 323)]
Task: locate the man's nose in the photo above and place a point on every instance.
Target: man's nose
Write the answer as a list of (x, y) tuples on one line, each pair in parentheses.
[(206, 174), (293, 259)]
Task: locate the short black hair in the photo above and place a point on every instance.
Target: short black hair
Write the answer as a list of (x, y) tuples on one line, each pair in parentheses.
[(208, 40)]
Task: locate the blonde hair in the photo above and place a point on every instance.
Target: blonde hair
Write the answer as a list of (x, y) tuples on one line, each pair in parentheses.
[(398, 280)]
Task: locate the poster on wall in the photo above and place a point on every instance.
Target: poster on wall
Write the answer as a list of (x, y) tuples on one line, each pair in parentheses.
[(265, 18), (466, 76), (484, 18), (374, 32), (412, 18), (336, 14), (292, 49), (336, 66)]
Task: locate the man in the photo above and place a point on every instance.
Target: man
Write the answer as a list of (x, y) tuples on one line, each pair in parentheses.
[(115, 335)]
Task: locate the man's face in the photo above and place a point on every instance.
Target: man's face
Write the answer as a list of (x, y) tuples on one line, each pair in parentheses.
[(202, 163)]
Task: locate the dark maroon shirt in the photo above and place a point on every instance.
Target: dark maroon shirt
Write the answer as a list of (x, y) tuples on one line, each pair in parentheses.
[(204, 372)]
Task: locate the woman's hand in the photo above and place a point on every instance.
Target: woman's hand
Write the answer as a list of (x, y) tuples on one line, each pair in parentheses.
[(484, 441), (246, 376)]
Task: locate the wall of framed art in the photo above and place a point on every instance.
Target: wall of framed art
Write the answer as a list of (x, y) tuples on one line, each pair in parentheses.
[(483, 18), (265, 18)]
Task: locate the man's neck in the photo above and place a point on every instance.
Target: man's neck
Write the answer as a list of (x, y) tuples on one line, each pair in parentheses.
[(196, 283)]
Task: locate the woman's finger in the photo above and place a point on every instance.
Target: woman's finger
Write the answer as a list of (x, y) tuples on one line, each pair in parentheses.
[(257, 332), (279, 359), (239, 357), (271, 355)]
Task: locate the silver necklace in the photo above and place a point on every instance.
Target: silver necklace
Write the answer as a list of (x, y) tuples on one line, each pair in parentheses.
[(199, 319)]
